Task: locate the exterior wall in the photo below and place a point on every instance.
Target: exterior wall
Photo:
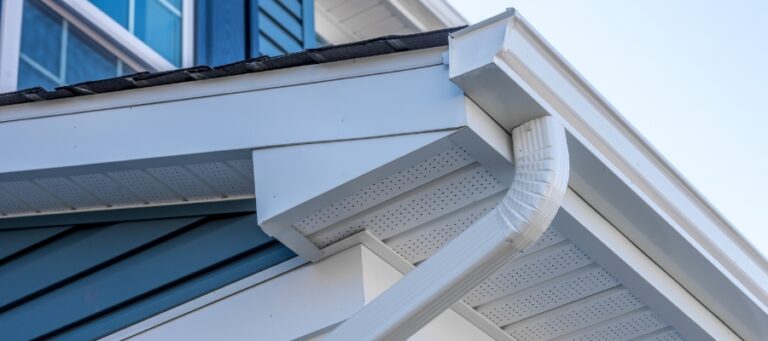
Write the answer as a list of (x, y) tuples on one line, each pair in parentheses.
[(84, 281), (285, 26), (51, 43), (303, 304), (233, 30)]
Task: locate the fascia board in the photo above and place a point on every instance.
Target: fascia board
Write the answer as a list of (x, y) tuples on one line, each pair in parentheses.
[(341, 109), (504, 52), (287, 77)]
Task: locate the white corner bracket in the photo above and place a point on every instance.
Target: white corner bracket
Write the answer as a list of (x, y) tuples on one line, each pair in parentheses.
[(525, 212)]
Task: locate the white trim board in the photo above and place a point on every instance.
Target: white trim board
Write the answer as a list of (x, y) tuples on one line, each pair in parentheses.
[(287, 77), (84, 24), (10, 41), (231, 122), (109, 34)]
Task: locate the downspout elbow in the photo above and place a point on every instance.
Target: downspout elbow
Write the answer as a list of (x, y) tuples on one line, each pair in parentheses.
[(539, 184), (520, 218)]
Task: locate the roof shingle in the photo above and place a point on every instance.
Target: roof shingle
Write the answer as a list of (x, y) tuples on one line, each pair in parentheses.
[(326, 54)]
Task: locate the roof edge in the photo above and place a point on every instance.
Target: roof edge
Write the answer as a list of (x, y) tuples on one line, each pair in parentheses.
[(327, 54), (505, 51)]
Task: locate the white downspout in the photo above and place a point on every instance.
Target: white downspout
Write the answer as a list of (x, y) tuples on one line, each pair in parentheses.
[(533, 199)]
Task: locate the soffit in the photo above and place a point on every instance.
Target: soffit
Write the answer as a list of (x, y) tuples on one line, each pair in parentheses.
[(554, 290), (341, 21)]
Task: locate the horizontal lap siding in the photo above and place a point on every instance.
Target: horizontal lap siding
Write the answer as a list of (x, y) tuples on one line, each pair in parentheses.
[(232, 30), (281, 26), (92, 280)]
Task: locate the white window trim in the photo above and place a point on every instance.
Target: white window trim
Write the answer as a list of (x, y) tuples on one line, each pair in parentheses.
[(99, 27), (109, 34), (98, 38), (10, 41), (187, 33)]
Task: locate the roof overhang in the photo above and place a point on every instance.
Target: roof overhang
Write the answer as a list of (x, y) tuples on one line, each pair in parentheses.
[(364, 122), (614, 168)]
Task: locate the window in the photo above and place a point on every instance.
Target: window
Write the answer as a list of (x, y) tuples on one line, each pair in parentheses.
[(54, 53), (158, 23)]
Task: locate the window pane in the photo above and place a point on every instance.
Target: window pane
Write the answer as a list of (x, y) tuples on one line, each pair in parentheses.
[(41, 36), (124, 70), (117, 9), (30, 77), (158, 23), (55, 53), (155, 22), (89, 62)]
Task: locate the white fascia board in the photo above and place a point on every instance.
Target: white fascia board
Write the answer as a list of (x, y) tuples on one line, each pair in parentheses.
[(503, 53), (328, 102), (227, 85)]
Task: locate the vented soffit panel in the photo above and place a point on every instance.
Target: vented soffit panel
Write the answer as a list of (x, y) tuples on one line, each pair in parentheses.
[(431, 189)]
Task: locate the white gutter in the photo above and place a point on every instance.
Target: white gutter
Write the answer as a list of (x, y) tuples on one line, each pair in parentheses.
[(533, 199)]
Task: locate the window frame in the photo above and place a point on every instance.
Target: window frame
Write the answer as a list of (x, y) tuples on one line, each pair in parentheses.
[(124, 40), (97, 26), (10, 43)]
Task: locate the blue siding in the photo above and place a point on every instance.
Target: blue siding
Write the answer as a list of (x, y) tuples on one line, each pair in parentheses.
[(90, 280), (220, 32), (231, 30), (16, 241), (283, 24)]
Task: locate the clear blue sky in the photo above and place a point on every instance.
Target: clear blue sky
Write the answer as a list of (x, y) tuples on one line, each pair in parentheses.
[(691, 75)]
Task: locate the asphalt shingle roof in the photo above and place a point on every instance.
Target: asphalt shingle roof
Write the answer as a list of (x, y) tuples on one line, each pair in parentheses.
[(326, 54)]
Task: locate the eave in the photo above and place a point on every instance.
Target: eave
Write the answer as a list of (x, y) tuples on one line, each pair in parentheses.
[(616, 170), (379, 115)]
